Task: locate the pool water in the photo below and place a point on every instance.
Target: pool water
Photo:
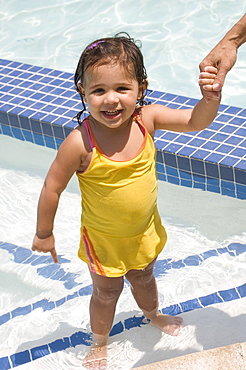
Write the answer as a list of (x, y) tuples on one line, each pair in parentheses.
[(203, 260), (176, 36), (44, 313)]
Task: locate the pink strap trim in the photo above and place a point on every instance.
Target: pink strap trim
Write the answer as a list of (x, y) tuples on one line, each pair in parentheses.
[(88, 133)]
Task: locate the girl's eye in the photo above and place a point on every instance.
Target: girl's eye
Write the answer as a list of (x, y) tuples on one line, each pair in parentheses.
[(98, 91), (123, 88)]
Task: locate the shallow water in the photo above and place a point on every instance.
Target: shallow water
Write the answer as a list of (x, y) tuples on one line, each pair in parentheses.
[(176, 36), (211, 223)]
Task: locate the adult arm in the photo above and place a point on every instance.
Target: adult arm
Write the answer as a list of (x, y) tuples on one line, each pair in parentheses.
[(223, 56)]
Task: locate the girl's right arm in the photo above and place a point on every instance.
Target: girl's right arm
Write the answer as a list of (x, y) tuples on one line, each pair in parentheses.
[(69, 158)]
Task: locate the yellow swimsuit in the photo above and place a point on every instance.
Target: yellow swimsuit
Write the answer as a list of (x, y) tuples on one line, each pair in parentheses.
[(121, 228)]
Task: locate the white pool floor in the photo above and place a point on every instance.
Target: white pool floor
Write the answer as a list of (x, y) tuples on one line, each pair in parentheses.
[(199, 266)]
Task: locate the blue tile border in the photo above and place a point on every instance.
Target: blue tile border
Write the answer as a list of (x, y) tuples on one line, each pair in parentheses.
[(37, 105), (84, 338)]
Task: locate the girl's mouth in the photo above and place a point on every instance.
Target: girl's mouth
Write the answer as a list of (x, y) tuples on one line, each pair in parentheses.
[(111, 113)]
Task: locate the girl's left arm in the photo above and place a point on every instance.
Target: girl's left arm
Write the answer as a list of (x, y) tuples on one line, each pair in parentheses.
[(159, 117)]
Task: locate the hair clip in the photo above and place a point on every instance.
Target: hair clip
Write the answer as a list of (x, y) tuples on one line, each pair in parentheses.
[(92, 46)]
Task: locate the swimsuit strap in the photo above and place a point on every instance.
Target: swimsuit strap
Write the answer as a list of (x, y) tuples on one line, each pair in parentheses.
[(137, 117), (87, 128)]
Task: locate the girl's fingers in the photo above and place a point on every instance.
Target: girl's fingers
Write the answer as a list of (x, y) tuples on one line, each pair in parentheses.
[(211, 69), (206, 81), (207, 75)]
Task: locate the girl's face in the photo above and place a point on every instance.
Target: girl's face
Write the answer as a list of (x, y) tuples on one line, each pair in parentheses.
[(111, 94)]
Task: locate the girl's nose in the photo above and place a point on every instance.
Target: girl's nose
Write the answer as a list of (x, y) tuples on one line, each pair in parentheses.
[(111, 98)]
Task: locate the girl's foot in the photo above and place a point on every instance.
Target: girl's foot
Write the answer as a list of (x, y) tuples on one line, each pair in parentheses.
[(169, 324), (96, 358)]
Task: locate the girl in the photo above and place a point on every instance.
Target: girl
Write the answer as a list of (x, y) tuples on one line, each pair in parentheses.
[(113, 155)]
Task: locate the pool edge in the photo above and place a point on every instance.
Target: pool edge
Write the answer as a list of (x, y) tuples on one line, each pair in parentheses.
[(226, 357)]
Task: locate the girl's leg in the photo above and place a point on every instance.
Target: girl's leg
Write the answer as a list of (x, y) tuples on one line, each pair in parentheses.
[(106, 292), (144, 289)]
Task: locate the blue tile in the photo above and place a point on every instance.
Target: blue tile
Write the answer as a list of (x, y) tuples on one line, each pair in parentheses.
[(197, 166), (173, 180), (169, 135), (159, 156), (44, 304), (200, 154), (116, 329), (183, 163), (197, 142), (159, 167), (59, 345), (242, 290), (214, 189), (224, 117), (228, 295), (81, 338), (185, 175), (243, 144), (228, 192), (170, 159), (58, 132), (186, 151), (238, 152), (35, 126), (173, 148), (226, 173), (213, 181), (220, 137), (238, 121), (228, 129), (187, 183), (241, 188), (240, 176), (172, 310), (13, 119), (190, 305), (162, 176), (20, 358), (210, 299), (242, 165), (228, 185), (20, 311), (25, 123), (241, 132), (4, 118), (4, 363), (210, 145), (199, 179), (215, 158), (182, 139), (4, 318), (192, 102), (234, 140), (39, 352), (233, 110), (172, 171)]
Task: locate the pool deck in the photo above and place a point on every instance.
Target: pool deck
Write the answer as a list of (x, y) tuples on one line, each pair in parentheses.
[(37, 104), (226, 358)]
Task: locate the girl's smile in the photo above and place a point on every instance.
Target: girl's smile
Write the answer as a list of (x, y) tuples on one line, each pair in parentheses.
[(111, 93)]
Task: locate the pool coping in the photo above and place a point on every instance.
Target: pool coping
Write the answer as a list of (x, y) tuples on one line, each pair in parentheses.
[(226, 357), (37, 105)]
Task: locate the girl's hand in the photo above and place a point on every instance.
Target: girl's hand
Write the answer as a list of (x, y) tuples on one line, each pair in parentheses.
[(206, 82), (45, 245)]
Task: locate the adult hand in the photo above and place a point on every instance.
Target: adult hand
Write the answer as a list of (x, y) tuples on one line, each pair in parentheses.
[(45, 245), (223, 57)]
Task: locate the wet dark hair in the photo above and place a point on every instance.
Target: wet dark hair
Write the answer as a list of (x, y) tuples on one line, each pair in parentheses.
[(120, 48)]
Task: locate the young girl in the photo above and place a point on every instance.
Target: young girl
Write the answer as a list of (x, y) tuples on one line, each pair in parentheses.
[(113, 155)]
